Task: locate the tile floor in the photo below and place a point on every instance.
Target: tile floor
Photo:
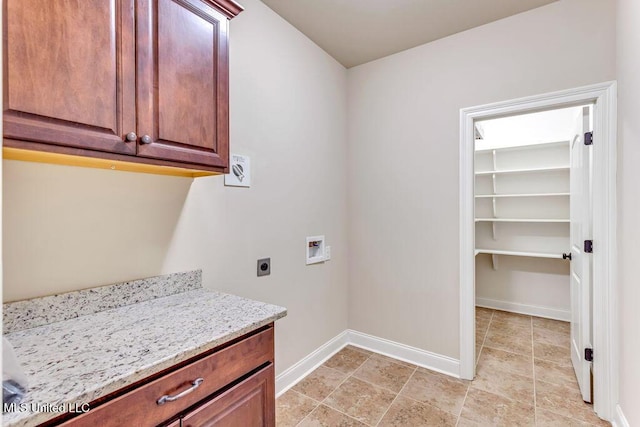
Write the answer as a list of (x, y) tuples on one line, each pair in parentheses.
[(524, 378)]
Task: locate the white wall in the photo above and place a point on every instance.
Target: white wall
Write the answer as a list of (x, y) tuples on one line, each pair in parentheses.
[(403, 115), (68, 228), (628, 66), (536, 286)]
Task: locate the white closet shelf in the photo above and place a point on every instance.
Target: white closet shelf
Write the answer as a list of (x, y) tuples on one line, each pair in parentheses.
[(566, 220), (534, 145), (523, 170), (517, 253), (490, 196)]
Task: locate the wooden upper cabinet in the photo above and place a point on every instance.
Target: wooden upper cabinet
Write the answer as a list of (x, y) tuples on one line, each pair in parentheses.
[(69, 73), (142, 81), (182, 50)]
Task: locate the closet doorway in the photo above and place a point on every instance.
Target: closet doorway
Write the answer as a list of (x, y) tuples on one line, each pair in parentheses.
[(532, 204), (536, 196)]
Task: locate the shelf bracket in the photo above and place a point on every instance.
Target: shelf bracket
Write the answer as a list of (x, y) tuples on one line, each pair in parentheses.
[(494, 261), (493, 199), (495, 160)]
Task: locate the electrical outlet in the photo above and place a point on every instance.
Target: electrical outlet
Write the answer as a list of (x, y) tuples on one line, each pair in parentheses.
[(327, 253), (264, 267)]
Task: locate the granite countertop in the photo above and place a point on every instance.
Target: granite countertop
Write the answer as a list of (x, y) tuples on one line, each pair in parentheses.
[(75, 361)]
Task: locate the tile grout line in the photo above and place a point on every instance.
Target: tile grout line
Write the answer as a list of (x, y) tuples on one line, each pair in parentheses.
[(577, 420), (315, 407), (379, 386), (331, 369), (532, 367), (484, 339), (555, 362), (502, 333), (351, 375), (502, 349), (463, 402), (561, 413), (340, 412), (535, 380), (475, 365), (396, 396), (338, 386), (431, 405), (415, 369), (507, 351), (331, 392)]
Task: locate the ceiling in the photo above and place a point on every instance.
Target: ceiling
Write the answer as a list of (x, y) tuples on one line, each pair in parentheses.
[(359, 31)]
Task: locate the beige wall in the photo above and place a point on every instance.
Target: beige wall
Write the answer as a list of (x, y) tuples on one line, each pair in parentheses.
[(68, 228), (403, 115), (628, 67), (288, 113)]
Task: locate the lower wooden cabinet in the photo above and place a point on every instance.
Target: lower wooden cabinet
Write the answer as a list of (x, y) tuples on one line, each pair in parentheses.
[(232, 386)]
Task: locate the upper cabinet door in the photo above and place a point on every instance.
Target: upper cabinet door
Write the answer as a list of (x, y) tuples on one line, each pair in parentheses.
[(182, 68), (70, 73)]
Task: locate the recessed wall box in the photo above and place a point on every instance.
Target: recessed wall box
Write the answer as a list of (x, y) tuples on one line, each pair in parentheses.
[(315, 249)]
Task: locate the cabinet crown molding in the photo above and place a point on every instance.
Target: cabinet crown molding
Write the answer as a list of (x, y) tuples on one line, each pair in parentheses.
[(227, 7)]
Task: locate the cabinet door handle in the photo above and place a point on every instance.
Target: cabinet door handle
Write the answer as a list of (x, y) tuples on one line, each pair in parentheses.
[(131, 136), (168, 398), (146, 139)]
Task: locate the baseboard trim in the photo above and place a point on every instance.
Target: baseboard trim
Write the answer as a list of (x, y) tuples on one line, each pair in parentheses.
[(426, 359), (531, 310), (305, 366), (619, 420)]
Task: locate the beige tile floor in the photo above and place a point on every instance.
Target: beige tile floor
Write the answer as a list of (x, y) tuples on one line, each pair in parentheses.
[(524, 378)]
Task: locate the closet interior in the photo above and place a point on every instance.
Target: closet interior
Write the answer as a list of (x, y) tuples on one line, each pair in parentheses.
[(522, 222)]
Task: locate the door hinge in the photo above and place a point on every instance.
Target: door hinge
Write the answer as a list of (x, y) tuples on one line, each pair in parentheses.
[(588, 246), (588, 138), (588, 354)]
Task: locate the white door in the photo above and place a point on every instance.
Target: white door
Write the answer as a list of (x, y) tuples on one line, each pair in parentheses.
[(580, 183)]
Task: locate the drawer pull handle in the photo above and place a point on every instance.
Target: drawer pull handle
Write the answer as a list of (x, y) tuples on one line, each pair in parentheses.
[(167, 398)]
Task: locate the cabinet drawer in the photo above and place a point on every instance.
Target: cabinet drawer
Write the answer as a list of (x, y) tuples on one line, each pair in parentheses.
[(247, 404), (140, 408)]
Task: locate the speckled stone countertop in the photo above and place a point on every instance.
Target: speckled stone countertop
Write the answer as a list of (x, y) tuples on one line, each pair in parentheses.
[(78, 360)]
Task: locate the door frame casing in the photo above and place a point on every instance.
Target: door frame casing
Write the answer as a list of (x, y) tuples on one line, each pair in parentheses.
[(604, 321)]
